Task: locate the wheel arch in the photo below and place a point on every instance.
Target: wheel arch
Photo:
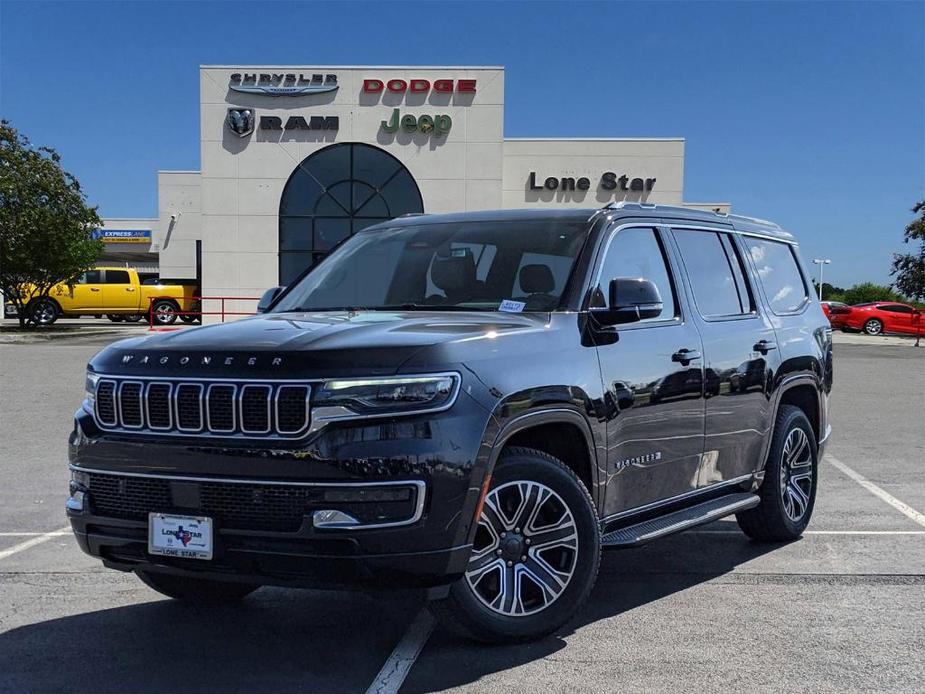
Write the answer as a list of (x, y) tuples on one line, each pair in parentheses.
[(805, 392), (555, 430)]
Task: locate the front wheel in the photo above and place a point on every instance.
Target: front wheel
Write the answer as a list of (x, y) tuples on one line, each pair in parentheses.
[(873, 327), (788, 492), (535, 555), (198, 590), (42, 311), (114, 317)]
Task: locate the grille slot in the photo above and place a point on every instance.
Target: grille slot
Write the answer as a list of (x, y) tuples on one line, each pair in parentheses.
[(106, 403), (130, 404), (184, 407), (160, 413), (255, 409), (220, 407), (292, 409), (189, 407)]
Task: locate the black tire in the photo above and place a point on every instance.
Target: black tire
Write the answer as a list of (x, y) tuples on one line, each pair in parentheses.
[(466, 610), (132, 317), (873, 326), (114, 317), (785, 487), (189, 319), (199, 590), (43, 311), (164, 312)]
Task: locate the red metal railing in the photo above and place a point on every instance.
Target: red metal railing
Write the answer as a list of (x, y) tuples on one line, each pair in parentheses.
[(186, 300)]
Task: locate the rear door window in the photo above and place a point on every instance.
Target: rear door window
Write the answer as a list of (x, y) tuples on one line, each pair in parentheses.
[(117, 277), (716, 274), (91, 277), (779, 274)]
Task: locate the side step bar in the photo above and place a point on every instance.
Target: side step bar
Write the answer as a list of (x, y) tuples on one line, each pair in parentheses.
[(707, 512)]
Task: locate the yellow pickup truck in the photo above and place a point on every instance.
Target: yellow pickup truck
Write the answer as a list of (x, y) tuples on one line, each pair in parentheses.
[(118, 293)]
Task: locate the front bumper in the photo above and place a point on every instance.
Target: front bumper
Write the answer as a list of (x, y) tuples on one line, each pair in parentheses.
[(439, 455)]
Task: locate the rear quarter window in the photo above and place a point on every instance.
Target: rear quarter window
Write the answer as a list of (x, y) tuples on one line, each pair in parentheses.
[(779, 274)]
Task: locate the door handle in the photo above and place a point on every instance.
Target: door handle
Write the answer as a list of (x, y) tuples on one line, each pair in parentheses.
[(764, 346), (685, 356), (130, 289), (94, 289)]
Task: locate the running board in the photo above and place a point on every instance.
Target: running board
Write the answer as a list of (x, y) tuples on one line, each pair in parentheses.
[(706, 512)]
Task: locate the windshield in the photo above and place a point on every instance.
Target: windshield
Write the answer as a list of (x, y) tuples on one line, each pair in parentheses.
[(462, 266)]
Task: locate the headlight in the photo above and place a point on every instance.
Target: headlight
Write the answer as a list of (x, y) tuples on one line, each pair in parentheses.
[(383, 396), (90, 390)]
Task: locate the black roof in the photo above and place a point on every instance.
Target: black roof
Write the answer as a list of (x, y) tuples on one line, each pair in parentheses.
[(615, 211)]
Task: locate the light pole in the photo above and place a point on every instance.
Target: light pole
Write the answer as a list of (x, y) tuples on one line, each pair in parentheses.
[(821, 262)]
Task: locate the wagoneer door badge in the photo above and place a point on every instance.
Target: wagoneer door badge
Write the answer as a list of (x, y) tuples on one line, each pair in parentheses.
[(204, 360), (638, 460)]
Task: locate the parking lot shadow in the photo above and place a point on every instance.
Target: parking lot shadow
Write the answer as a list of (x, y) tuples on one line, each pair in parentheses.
[(276, 641), (628, 579)]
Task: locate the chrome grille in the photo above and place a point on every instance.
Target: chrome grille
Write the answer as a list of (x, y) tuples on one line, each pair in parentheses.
[(183, 407)]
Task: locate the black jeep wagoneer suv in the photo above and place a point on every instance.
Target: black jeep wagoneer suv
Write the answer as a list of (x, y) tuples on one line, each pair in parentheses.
[(475, 403)]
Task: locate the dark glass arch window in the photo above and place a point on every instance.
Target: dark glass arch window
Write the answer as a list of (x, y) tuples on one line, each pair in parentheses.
[(334, 193)]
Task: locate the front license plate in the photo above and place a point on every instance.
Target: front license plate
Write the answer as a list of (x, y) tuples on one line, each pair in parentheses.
[(189, 537)]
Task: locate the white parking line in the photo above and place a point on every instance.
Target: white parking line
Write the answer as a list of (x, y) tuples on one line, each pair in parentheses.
[(903, 508), (54, 532), (397, 667), (816, 532), (39, 539)]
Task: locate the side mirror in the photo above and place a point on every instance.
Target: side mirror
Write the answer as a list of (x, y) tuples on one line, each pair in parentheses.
[(631, 299), (269, 296)]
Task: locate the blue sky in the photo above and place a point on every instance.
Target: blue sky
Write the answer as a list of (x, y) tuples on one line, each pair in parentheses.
[(812, 115)]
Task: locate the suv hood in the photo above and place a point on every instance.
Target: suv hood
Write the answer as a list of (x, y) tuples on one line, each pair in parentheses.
[(307, 344)]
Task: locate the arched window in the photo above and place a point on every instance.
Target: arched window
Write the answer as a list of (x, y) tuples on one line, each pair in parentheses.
[(336, 192)]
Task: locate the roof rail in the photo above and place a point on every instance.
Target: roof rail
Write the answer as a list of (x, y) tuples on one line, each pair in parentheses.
[(411, 214)]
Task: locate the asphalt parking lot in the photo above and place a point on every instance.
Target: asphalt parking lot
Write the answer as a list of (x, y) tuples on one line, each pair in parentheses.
[(839, 610)]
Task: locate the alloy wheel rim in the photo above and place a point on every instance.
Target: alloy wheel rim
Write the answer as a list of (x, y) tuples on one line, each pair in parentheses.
[(796, 474), (525, 551), (874, 327), (163, 314), (45, 312)]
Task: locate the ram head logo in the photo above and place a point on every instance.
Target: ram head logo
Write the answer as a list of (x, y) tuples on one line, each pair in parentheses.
[(241, 121)]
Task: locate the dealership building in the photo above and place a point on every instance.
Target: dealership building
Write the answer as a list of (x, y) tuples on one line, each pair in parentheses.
[(294, 159)]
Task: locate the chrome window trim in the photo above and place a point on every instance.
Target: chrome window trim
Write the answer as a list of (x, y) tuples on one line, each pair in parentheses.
[(115, 403), (308, 409), (147, 399), (141, 405), (176, 404), (269, 397), (420, 485), (234, 409)]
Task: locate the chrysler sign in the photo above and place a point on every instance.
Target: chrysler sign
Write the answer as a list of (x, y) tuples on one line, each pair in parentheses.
[(282, 84)]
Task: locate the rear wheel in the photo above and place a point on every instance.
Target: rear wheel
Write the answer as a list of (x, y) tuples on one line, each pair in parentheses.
[(201, 590), (535, 555), (43, 311), (788, 492), (164, 312), (115, 317), (132, 317), (873, 327)]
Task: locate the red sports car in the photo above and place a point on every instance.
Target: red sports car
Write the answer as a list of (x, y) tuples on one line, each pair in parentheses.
[(886, 317), (836, 312)]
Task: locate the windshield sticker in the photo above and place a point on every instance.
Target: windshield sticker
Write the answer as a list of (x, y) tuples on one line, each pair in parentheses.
[(511, 306)]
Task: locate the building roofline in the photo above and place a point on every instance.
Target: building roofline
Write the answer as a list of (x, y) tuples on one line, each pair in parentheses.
[(130, 219), (304, 66), (594, 139)]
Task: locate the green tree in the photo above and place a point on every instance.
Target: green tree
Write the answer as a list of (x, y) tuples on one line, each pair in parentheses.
[(909, 268), (868, 291), (46, 227)]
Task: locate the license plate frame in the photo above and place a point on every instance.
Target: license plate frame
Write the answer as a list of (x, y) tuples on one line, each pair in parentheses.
[(184, 537)]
